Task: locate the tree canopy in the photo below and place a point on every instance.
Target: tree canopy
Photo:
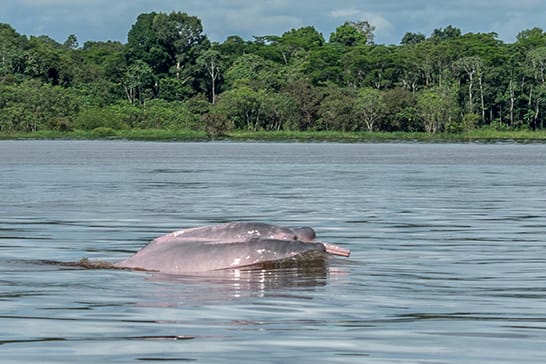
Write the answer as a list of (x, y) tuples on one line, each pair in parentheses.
[(170, 75)]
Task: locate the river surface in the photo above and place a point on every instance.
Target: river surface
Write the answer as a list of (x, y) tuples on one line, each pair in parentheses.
[(448, 259)]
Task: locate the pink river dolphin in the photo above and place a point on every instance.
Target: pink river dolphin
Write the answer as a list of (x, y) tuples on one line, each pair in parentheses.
[(227, 246)]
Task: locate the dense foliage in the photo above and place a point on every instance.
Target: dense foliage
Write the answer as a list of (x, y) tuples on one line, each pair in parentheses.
[(170, 76)]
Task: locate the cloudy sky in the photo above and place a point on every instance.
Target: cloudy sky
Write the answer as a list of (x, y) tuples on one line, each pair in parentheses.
[(112, 19)]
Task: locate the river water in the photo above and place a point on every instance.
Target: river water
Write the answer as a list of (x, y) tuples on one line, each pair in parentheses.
[(448, 246)]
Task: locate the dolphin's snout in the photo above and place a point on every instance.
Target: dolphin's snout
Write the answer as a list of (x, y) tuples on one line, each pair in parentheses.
[(336, 250)]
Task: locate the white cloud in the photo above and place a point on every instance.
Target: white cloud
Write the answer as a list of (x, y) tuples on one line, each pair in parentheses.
[(111, 20), (45, 3), (383, 27), (248, 21), (345, 13)]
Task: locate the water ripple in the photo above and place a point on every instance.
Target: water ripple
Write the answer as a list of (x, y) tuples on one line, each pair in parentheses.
[(447, 240)]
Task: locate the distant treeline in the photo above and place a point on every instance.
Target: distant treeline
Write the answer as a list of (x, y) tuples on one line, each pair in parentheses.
[(169, 75)]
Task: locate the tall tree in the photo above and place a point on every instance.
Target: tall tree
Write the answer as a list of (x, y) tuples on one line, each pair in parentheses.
[(298, 42), (255, 71), (180, 35), (232, 48), (44, 60), (136, 77), (437, 107), (531, 38), (166, 41), (448, 33), (353, 33), (143, 45), (212, 62), (472, 67), (12, 50), (537, 94), (369, 107), (537, 60), (412, 38), (307, 99), (71, 42), (324, 64), (337, 110), (400, 113)]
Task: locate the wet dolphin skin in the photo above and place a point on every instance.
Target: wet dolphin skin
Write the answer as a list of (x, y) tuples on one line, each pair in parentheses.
[(225, 246)]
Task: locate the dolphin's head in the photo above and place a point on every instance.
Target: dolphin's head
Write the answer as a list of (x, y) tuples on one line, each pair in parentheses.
[(305, 234)]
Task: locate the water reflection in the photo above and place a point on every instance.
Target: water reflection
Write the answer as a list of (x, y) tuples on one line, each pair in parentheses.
[(448, 263), (306, 273), (232, 285)]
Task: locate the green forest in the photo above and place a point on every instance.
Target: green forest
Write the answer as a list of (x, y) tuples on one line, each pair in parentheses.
[(170, 76)]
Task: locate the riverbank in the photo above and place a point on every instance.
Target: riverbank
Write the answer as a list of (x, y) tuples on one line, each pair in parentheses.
[(483, 135)]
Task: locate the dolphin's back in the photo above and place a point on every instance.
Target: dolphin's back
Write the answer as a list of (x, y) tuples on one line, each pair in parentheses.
[(234, 231), (187, 256)]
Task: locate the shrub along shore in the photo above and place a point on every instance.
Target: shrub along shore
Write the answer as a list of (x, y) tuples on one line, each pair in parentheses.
[(478, 135)]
